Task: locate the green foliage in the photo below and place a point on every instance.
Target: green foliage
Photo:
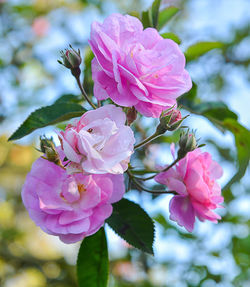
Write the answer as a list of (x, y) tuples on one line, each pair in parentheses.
[(133, 224), (166, 15), (68, 98), (92, 261), (156, 18), (216, 111), (172, 36), (155, 12), (145, 18), (242, 141), (88, 82), (224, 119), (46, 116), (201, 48)]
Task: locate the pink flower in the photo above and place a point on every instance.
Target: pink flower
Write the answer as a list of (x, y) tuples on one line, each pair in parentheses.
[(40, 26), (194, 179), (99, 142), (136, 67), (69, 206)]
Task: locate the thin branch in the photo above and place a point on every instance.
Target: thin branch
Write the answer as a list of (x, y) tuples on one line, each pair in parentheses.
[(152, 176), (147, 140), (84, 93), (141, 187)]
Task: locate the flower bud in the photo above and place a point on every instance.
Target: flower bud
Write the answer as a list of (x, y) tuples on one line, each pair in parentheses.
[(187, 143), (48, 148), (170, 121), (46, 143), (131, 115), (71, 59)]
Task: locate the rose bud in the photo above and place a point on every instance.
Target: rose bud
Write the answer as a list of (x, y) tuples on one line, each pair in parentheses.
[(71, 60), (187, 143), (170, 121), (47, 147), (131, 115)]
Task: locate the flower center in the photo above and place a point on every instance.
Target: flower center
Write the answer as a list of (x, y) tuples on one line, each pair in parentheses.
[(81, 188)]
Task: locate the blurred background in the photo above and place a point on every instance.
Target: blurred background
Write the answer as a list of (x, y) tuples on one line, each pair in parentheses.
[(32, 32)]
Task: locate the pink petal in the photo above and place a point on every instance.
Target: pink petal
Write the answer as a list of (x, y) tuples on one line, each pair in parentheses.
[(181, 211)]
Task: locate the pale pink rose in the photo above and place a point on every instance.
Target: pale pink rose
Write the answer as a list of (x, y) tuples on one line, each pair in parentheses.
[(194, 179), (69, 206), (40, 26), (136, 67), (99, 142)]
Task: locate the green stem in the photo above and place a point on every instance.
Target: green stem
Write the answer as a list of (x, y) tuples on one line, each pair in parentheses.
[(166, 169), (84, 93), (138, 185), (147, 140)]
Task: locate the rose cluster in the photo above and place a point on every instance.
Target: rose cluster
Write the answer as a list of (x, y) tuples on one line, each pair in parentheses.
[(70, 190)]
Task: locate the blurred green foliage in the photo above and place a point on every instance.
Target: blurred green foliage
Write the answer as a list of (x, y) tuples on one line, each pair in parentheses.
[(28, 257)]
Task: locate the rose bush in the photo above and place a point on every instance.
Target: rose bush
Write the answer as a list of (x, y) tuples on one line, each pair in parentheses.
[(198, 193), (136, 67), (99, 142), (69, 206)]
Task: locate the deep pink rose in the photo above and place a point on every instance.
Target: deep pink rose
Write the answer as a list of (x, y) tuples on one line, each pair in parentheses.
[(69, 206), (136, 67), (99, 142), (194, 179)]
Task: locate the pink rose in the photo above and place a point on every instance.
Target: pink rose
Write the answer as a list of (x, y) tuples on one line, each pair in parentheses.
[(136, 67), (194, 179), (99, 142), (69, 206)]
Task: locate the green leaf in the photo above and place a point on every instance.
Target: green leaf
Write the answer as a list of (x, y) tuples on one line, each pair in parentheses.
[(133, 224), (216, 112), (68, 98), (47, 116), (155, 12), (88, 81), (92, 261), (242, 141), (190, 97), (201, 48), (165, 15), (145, 18), (172, 36)]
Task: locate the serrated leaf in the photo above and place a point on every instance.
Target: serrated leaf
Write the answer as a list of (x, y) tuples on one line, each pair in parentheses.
[(133, 224), (92, 261), (47, 116), (165, 15), (155, 12), (201, 48), (172, 36)]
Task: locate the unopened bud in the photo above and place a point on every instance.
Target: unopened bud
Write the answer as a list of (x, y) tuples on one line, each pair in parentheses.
[(170, 121), (131, 115), (187, 143), (46, 143), (48, 148), (71, 59)]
